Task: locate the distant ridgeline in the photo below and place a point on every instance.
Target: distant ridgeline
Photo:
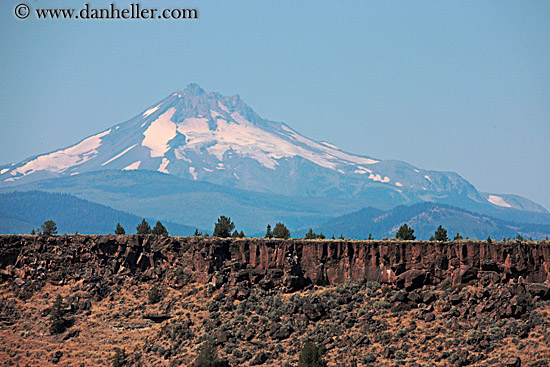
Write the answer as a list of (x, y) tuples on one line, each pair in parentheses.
[(21, 212)]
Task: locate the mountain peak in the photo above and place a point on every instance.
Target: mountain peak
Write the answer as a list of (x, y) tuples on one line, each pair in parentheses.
[(193, 89)]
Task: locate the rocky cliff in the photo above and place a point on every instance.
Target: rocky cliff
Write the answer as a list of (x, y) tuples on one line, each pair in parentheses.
[(290, 264)]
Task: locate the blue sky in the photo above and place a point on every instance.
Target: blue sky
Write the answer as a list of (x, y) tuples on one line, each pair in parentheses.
[(456, 86)]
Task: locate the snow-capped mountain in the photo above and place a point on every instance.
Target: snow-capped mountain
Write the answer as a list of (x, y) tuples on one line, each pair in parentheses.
[(209, 137)]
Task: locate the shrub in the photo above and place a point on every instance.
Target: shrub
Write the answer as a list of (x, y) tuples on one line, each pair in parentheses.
[(120, 358), (154, 295), (311, 356), (519, 238), (379, 305), (369, 358), (312, 235), (402, 332), (399, 354), (208, 356)]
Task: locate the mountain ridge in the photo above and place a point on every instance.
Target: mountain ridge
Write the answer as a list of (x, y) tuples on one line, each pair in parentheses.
[(196, 203), (21, 212), (424, 218)]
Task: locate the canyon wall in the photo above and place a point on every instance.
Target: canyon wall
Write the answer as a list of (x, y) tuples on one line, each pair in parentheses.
[(287, 264)]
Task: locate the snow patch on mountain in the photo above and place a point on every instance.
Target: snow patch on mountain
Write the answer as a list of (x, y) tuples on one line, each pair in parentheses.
[(193, 173), (132, 166), (362, 170), (329, 145), (180, 154), (497, 200), (377, 177), (151, 110), (159, 133), (331, 154), (118, 155), (223, 107), (163, 165), (60, 160), (4, 171)]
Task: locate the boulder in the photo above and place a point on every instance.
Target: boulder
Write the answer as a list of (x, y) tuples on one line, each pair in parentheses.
[(512, 362), (413, 279), (540, 290)]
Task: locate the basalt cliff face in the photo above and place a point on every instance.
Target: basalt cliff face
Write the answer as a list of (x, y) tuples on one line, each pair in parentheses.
[(290, 264)]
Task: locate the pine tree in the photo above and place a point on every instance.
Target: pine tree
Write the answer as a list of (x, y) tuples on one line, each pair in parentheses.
[(441, 234), (241, 235), (119, 229), (57, 313), (49, 228), (458, 237), (33, 232), (489, 240), (159, 230), (223, 227), (197, 233), (143, 227), (268, 233), (310, 235), (280, 231), (405, 233), (235, 234)]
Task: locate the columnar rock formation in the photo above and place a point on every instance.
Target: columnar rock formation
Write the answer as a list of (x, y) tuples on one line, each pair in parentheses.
[(290, 264)]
